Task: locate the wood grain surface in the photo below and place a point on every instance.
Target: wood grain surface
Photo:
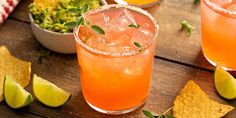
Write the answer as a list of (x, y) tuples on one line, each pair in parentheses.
[(178, 59)]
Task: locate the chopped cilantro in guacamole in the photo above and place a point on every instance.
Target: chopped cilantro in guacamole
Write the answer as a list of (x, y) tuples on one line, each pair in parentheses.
[(55, 18)]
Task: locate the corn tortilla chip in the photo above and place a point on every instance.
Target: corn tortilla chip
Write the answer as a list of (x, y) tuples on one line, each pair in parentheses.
[(194, 103), (14, 68)]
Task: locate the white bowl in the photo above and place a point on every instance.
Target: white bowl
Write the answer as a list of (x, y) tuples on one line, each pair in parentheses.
[(55, 41)]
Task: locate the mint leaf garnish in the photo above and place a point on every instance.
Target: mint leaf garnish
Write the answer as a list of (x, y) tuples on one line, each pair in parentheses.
[(70, 24), (134, 26), (98, 29), (148, 114), (137, 44), (166, 114)]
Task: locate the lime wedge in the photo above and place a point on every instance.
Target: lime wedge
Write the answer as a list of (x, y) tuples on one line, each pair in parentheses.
[(15, 95), (48, 93), (225, 83)]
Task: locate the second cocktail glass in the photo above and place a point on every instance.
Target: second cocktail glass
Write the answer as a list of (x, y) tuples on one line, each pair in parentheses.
[(218, 19)]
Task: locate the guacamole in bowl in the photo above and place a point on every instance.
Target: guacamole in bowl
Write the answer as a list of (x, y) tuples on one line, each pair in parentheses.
[(50, 18), (54, 14)]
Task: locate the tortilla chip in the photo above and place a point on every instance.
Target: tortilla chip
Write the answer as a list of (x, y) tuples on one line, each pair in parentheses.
[(194, 103), (14, 68)]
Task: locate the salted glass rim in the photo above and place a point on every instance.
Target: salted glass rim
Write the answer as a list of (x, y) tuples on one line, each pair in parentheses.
[(118, 54), (218, 8)]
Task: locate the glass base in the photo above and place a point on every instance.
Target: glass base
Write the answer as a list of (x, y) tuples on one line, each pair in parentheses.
[(214, 64), (116, 112)]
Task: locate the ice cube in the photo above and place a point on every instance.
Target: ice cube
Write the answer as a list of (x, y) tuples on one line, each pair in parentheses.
[(122, 20), (121, 40), (96, 42), (100, 19), (118, 42), (91, 41), (142, 35)]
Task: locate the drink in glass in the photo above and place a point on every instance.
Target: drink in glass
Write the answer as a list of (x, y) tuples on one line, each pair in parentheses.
[(116, 67), (218, 19)]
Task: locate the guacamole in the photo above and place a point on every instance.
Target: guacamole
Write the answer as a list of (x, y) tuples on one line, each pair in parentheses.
[(55, 17)]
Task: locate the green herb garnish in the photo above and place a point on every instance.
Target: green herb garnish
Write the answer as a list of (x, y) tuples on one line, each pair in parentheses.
[(137, 44), (148, 114), (70, 24), (84, 9), (86, 24), (196, 2), (97, 29), (80, 20), (185, 26), (166, 114), (134, 26)]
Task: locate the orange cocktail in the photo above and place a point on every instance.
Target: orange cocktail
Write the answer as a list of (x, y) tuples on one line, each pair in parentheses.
[(218, 19), (116, 67)]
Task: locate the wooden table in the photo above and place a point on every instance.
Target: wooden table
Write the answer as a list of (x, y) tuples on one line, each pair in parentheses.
[(178, 59)]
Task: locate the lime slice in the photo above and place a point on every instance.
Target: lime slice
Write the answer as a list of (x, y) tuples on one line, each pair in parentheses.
[(15, 95), (48, 93), (225, 83)]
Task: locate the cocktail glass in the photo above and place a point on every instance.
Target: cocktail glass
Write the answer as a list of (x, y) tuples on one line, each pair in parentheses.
[(116, 67)]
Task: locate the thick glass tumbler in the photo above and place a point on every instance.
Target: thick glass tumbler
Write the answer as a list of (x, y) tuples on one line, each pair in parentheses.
[(218, 19), (115, 49)]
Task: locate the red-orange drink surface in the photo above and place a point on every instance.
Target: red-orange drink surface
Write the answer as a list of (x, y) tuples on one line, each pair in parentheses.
[(218, 19), (115, 73)]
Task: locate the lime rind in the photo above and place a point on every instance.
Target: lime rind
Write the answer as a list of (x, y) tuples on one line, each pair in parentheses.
[(49, 94), (225, 83), (15, 95)]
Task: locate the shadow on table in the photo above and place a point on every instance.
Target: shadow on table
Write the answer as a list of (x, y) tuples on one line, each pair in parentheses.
[(202, 62), (8, 112)]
